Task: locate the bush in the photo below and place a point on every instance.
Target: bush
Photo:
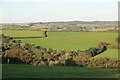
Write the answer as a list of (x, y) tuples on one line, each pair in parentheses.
[(103, 63), (82, 59), (54, 63), (35, 55), (50, 50), (70, 62)]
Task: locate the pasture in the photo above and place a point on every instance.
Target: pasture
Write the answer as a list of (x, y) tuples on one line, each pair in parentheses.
[(29, 71), (68, 40), (62, 40), (111, 53), (65, 40)]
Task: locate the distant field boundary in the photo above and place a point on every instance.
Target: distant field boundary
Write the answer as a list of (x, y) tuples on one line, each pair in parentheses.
[(28, 37)]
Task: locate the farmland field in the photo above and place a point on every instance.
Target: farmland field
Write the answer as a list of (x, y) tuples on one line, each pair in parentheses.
[(65, 40), (29, 71), (111, 53), (68, 40)]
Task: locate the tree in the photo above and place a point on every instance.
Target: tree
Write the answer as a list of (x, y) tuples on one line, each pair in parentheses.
[(45, 33), (93, 51)]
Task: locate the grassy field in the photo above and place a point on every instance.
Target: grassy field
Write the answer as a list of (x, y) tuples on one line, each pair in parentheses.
[(22, 33), (68, 40), (29, 71), (65, 40), (111, 53)]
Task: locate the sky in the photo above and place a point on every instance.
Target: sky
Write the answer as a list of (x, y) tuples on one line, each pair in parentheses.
[(22, 11)]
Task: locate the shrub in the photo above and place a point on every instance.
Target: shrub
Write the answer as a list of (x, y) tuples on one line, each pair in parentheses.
[(50, 50), (35, 55), (54, 63), (82, 59), (70, 62), (103, 63)]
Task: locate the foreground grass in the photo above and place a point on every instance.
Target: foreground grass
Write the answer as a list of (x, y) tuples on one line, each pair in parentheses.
[(29, 71)]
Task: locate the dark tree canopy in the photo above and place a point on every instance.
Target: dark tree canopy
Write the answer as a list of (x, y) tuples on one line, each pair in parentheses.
[(45, 33)]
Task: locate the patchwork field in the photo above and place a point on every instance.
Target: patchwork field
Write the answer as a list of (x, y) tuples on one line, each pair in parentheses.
[(29, 71)]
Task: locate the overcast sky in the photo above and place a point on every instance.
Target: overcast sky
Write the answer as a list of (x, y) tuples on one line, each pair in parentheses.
[(12, 11)]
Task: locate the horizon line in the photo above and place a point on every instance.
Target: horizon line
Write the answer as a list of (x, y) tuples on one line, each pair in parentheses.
[(55, 21)]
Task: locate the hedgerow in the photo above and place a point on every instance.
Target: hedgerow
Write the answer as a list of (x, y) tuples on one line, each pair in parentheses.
[(16, 52)]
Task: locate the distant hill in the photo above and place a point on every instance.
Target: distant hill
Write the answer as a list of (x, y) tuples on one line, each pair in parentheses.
[(64, 26)]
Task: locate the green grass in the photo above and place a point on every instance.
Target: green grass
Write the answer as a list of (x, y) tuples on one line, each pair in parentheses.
[(29, 71), (69, 40), (22, 33), (111, 53), (65, 40)]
